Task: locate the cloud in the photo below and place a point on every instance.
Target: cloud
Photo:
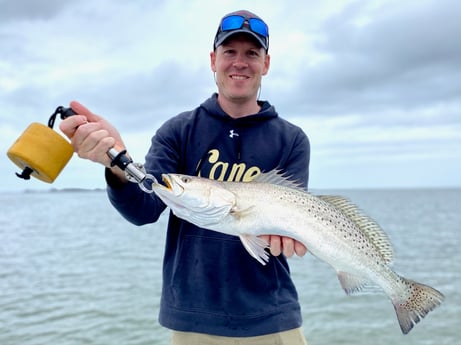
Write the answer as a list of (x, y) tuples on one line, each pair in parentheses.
[(141, 98), (374, 84), (382, 89), (393, 58), (13, 11)]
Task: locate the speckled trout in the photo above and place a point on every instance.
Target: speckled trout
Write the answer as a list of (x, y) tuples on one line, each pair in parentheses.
[(331, 227)]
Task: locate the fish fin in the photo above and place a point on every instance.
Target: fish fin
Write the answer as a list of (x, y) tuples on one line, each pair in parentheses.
[(421, 300), (366, 225), (277, 177), (239, 213), (256, 247), (353, 284)]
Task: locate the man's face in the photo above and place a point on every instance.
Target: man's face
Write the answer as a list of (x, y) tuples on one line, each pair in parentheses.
[(239, 64)]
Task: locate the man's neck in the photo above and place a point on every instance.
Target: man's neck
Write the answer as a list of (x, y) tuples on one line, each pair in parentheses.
[(237, 109)]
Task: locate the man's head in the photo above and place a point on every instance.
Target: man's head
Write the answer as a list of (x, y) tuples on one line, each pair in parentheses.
[(240, 60), (242, 22)]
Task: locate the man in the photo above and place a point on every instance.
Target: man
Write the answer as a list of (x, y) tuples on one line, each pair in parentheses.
[(213, 291)]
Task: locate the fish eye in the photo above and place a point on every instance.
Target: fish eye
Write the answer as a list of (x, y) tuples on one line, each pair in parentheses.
[(185, 179)]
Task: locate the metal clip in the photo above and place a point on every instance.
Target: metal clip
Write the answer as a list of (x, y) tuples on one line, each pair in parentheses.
[(134, 172), (146, 184)]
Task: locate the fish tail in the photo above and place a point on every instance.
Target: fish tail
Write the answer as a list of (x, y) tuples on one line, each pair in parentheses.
[(420, 300)]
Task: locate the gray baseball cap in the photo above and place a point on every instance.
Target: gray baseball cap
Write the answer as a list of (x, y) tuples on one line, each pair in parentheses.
[(242, 22)]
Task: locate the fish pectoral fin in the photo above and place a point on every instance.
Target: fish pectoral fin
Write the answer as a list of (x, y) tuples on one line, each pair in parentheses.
[(256, 246), (239, 213), (353, 284)]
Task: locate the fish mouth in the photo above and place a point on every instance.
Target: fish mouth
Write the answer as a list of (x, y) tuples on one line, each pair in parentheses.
[(171, 185), (167, 180)]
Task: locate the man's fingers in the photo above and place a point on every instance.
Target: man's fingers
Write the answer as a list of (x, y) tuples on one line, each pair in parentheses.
[(82, 110), (288, 246), (275, 244), (70, 125), (300, 249)]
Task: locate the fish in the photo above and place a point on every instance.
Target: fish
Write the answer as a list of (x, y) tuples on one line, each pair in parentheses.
[(331, 227)]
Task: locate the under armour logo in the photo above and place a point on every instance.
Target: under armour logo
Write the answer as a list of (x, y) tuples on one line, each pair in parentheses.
[(232, 134)]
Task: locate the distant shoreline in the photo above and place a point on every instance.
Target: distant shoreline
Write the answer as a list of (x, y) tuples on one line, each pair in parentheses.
[(311, 190), (64, 190)]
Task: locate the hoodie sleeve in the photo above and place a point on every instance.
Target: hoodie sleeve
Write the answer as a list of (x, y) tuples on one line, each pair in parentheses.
[(132, 203), (163, 156), (297, 164)]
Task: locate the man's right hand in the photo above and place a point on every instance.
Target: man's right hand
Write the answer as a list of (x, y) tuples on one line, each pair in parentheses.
[(92, 136)]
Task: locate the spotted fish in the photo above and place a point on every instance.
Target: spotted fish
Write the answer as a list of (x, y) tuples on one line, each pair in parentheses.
[(331, 227)]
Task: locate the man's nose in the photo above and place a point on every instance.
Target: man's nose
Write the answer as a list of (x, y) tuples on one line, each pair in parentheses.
[(240, 62)]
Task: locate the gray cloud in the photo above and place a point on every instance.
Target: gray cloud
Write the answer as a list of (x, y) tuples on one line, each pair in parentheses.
[(386, 92), (136, 99), (30, 10), (397, 59)]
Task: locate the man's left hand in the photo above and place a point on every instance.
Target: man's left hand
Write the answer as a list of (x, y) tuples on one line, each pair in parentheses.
[(285, 245)]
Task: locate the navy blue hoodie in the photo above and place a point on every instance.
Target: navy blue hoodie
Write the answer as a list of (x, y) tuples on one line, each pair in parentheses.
[(210, 283)]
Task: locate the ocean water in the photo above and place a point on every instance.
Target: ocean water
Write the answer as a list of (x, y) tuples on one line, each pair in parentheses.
[(73, 271)]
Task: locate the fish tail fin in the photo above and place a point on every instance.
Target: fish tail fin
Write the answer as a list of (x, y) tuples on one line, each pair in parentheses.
[(420, 300)]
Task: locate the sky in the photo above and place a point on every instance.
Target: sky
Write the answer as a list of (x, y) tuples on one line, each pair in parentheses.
[(375, 84)]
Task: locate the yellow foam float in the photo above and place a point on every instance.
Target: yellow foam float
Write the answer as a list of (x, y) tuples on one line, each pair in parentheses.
[(42, 150)]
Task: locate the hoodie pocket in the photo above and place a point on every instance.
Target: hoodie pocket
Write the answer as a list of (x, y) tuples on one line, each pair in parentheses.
[(217, 275)]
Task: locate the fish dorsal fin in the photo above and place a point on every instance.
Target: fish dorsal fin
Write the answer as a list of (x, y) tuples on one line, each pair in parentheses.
[(367, 225), (278, 178)]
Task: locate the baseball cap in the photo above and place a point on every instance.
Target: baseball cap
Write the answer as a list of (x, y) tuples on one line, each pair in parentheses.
[(242, 22)]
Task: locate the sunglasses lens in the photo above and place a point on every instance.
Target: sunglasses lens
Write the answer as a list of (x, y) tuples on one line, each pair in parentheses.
[(235, 22), (258, 26), (232, 23)]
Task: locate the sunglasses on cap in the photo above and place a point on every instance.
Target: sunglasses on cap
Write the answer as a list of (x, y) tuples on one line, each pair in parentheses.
[(235, 22)]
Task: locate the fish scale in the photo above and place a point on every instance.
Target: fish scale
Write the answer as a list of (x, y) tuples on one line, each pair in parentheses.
[(331, 227)]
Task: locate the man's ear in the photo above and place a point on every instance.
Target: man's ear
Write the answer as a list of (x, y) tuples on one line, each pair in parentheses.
[(213, 61), (267, 63)]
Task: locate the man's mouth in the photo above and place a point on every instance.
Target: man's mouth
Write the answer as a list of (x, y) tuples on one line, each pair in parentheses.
[(239, 77)]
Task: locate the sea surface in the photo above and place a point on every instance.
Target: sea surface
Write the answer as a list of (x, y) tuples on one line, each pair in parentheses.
[(73, 271)]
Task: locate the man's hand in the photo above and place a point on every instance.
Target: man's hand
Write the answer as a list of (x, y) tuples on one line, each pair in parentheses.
[(92, 136), (285, 245)]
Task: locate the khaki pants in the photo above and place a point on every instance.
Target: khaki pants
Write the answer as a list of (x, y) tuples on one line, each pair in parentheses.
[(292, 337)]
